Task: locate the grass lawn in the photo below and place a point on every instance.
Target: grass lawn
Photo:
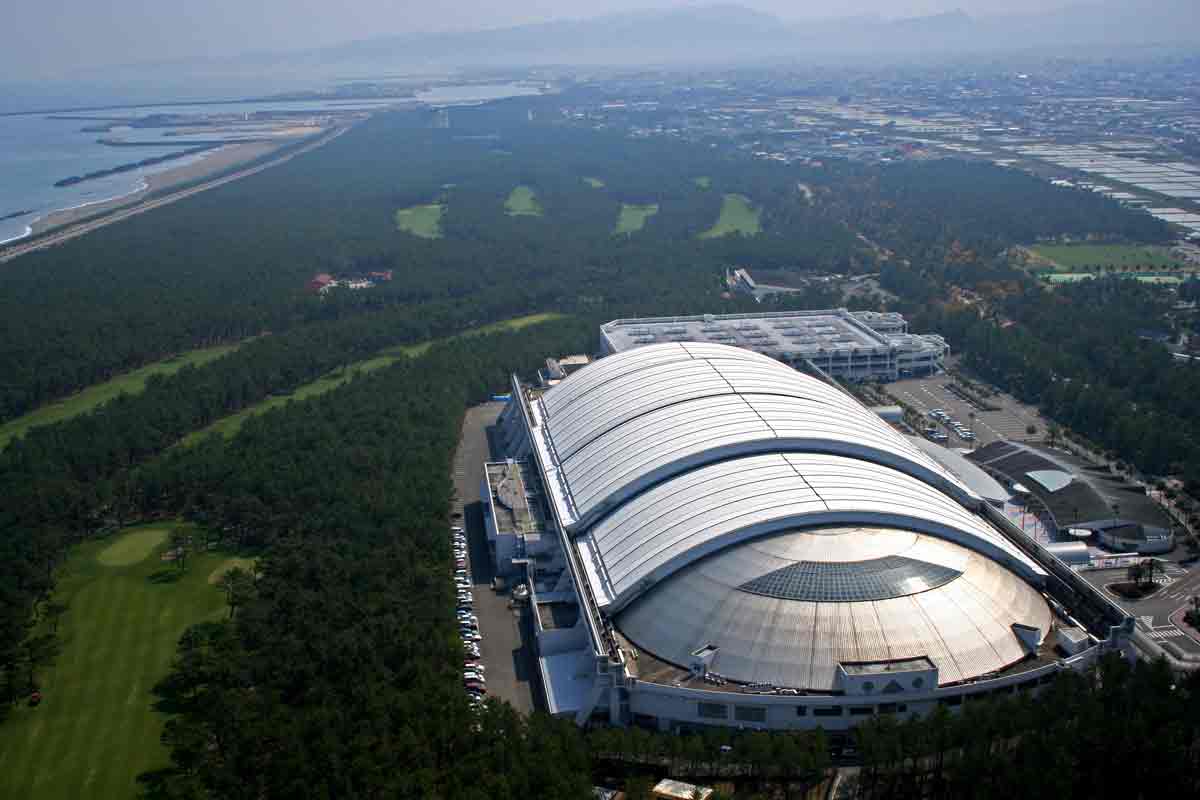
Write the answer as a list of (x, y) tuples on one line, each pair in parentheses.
[(1074, 277), (229, 426), (704, 182), (95, 729), (93, 396), (737, 216), (595, 183), (1123, 257), (522, 202), (424, 221), (633, 218)]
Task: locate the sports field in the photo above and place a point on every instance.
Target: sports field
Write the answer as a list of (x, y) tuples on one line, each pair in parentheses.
[(95, 729), (229, 426), (522, 202), (424, 221), (737, 216), (1141, 277), (93, 396), (1118, 257), (633, 218), (595, 183)]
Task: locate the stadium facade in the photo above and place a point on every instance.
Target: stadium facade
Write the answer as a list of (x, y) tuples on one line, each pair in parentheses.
[(722, 540)]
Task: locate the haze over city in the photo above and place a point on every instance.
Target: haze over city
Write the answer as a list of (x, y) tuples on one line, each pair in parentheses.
[(66, 39)]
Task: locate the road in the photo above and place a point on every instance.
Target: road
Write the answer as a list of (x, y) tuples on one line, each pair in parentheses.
[(507, 631), (79, 229), (1154, 614)]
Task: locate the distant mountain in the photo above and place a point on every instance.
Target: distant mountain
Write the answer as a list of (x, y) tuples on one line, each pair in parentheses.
[(725, 34)]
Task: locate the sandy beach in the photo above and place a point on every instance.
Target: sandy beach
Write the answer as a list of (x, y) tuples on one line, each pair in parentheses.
[(213, 163)]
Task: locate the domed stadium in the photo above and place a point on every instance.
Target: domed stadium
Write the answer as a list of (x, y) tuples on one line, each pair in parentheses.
[(728, 516)]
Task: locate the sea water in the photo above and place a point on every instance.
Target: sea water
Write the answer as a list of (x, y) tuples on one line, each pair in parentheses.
[(37, 151)]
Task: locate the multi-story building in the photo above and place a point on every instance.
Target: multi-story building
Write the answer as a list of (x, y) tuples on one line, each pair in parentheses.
[(856, 346)]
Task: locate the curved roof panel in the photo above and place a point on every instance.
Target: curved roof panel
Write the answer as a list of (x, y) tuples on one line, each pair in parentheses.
[(635, 419), (962, 622), (686, 517), (580, 384)]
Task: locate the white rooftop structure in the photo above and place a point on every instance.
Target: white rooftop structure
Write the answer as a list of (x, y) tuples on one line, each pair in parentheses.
[(860, 345), (711, 497)]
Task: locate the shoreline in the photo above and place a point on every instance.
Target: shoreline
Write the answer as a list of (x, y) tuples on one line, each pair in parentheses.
[(209, 163), (242, 161)]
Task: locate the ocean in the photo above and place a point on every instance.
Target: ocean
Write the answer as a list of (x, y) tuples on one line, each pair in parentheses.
[(36, 151)]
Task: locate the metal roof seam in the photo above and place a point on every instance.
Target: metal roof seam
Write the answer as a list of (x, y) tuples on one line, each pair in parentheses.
[(938, 632), (982, 635), (809, 485)]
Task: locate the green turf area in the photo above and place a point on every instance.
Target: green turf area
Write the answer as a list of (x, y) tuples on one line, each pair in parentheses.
[(704, 182), (95, 729), (93, 396), (424, 221), (136, 545), (1121, 257), (737, 216), (595, 183), (633, 218), (522, 202), (229, 426), (1073, 277)]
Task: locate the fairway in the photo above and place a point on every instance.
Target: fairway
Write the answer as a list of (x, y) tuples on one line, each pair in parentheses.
[(229, 426), (134, 546), (737, 216), (595, 183), (633, 218), (424, 221), (94, 396), (522, 202), (1121, 257), (95, 729), (704, 182)]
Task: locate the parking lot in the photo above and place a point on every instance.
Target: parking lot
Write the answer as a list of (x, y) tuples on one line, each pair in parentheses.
[(511, 672), (1010, 422)]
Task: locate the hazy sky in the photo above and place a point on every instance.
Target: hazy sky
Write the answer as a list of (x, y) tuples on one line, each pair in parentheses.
[(49, 37)]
